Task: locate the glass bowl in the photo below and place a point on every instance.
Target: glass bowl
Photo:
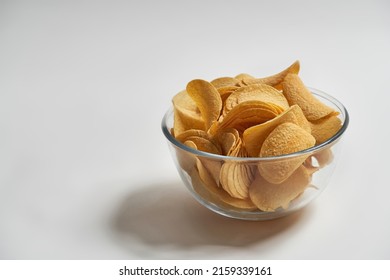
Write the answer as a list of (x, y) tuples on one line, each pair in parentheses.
[(199, 172)]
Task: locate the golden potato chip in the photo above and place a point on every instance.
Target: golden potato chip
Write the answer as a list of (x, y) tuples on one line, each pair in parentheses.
[(225, 93), (186, 114), (207, 98), (228, 140), (296, 93), (209, 171), (224, 82), (254, 136), (276, 79), (261, 92), (325, 128), (202, 140), (285, 139), (210, 189), (244, 115), (243, 76), (210, 168), (269, 197), (235, 178), (186, 159)]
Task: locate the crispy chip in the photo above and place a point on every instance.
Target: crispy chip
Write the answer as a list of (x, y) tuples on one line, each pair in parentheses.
[(296, 93), (225, 82), (243, 76), (244, 115), (235, 178), (285, 139), (325, 128), (261, 92), (218, 195), (228, 140), (209, 170), (255, 136), (276, 79), (185, 159), (186, 114), (207, 98), (269, 197), (201, 139), (225, 92)]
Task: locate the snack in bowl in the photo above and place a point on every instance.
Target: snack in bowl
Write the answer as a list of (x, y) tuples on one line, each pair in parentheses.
[(254, 148)]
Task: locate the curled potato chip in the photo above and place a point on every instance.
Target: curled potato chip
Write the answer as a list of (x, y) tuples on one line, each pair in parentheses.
[(201, 139), (224, 82), (285, 139), (296, 93), (243, 76), (209, 170), (255, 136), (244, 115), (228, 139), (235, 178), (225, 93), (187, 160), (207, 99), (261, 92), (276, 79), (325, 128), (269, 197), (207, 187), (186, 114)]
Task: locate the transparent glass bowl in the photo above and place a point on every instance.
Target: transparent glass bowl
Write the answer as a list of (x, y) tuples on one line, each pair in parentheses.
[(192, 164)]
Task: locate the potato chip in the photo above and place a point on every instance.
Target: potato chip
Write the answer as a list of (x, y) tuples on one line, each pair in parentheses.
[(208, 100), (186, 114), (276, 79), (269, 197), (225, 93), (244, 115), (235, 178), (243, 76), (259, 92), (209, 170), (186, 159), (212, 190), (254, 136), (225, 82), (325, 128), (201, 139), (296, 93), (228, 140), (285, 139)]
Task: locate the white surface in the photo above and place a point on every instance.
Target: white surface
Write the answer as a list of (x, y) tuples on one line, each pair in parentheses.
[(85, 171)]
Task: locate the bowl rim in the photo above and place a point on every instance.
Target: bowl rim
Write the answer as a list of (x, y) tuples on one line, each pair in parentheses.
[(308, 151)]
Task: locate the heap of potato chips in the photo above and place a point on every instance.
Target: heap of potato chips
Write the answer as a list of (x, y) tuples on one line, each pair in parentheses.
[(252, 117)]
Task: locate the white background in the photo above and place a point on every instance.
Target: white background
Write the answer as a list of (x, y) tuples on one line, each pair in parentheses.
[(85, 171)]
